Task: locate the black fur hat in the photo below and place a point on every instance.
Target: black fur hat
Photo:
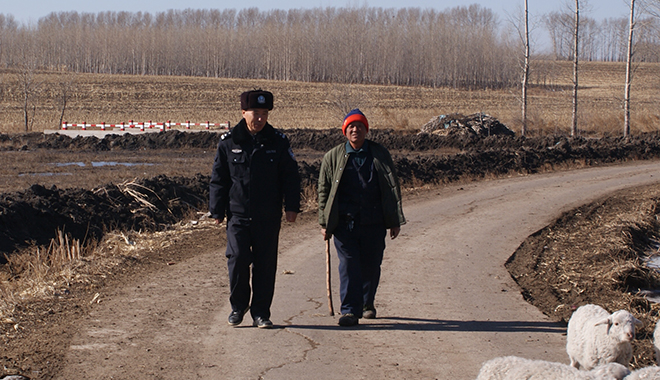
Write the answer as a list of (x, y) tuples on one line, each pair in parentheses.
[(256, 99)]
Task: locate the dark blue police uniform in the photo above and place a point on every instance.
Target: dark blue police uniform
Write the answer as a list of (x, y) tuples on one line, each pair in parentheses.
[(252, 177)]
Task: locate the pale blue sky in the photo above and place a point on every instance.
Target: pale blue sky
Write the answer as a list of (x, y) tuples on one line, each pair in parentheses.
[(31, 10)]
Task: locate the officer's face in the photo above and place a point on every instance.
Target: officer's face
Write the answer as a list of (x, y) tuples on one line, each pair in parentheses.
[(256, 119), (356, 133)]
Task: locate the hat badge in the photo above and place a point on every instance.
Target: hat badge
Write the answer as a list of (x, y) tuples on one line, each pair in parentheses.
[(261, 99)]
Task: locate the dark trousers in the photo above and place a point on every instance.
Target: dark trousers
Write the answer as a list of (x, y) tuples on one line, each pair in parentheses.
[(360, 251), (252, 244)]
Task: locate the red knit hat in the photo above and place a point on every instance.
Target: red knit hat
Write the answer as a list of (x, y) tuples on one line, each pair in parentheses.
[(354, 115)]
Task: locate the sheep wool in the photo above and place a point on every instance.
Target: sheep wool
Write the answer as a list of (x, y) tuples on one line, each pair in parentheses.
[(656, 342), (595, 337), (646, 373), (516, 368)]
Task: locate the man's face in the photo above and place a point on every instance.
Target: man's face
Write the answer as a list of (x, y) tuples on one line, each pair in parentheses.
[(256, 119), (356, 133)]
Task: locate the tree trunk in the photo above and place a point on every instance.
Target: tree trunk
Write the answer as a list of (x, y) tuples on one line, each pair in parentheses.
[(626, 96), (525, 73), (576, 41)]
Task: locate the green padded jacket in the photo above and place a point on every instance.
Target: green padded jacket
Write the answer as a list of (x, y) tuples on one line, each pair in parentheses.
[(332, 168)]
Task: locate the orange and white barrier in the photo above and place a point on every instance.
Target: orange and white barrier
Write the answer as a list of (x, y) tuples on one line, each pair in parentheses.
[(146, 125)]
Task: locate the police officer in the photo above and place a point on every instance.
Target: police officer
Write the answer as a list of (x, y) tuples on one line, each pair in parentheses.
[(359, 200), (254, 172)]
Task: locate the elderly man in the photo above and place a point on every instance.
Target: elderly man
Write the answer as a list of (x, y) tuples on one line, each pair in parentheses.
[(254, 172), (359, 200)]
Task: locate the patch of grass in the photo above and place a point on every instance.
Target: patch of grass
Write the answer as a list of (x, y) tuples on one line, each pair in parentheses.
[(39, 272)]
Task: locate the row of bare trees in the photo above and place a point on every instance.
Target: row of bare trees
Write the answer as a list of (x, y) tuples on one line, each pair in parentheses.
[(461, 47), (575, 29), (605, 40)]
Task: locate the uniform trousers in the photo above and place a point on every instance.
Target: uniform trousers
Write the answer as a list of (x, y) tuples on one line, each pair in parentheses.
[(252, 245), (360, 251)]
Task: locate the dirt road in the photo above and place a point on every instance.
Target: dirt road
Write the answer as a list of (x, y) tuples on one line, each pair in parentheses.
[(445, 305)]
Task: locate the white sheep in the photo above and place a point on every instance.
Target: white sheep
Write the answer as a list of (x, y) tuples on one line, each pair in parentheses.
[(516, 368), (596, 337), (656, 342), (646, 373)]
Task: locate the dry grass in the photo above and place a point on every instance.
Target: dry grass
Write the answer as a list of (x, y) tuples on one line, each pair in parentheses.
[(134, 190), (40, 274), (309, 199), (116, 98)]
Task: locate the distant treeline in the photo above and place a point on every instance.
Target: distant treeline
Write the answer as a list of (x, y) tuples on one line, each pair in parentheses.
[(604, 40), (463, 47)]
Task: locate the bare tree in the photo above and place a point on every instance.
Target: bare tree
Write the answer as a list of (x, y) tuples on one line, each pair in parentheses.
[(521, 24), (29, 88), (629, 56), (67, 85), (560, 26), (525, 80), (343, 99), (576, 50)]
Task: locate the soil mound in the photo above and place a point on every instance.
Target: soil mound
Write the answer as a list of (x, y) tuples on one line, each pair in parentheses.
[(324, 140), (35, 215), (479, 124)]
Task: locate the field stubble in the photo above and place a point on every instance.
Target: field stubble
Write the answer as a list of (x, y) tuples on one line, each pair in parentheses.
[(97, 98)]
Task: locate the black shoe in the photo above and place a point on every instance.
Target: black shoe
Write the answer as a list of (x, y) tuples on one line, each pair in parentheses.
[(236, 317), (369, 312), (348, 319), (262, 323)]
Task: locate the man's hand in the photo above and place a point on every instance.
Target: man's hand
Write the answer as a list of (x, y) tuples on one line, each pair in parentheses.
[(325, 234), (394, 232), (218, 221), (291, 216)]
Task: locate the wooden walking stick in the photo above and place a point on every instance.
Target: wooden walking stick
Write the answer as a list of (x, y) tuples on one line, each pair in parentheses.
[(327, 277)]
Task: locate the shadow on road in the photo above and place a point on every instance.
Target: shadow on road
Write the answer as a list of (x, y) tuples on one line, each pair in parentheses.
[(420, 324)]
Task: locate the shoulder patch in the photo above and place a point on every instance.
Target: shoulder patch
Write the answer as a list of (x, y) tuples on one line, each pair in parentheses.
[(280, 134), (225, 135)]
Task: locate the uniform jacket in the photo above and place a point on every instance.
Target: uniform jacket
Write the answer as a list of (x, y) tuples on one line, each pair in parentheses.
[(332, 167), (252, 176)]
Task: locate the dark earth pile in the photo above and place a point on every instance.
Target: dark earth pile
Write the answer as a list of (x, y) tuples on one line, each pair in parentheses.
[(479, 124), (35, 214)]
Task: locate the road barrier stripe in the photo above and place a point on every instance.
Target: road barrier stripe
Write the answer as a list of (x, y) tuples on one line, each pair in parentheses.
[(144, 125)]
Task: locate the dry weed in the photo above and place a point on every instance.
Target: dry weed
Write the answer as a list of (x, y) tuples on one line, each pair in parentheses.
[(37, 272), (136, 191), (309, 198)]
